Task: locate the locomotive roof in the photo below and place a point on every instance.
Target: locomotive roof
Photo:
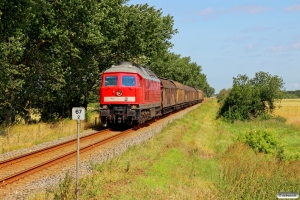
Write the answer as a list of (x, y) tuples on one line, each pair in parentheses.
[(129, 67)]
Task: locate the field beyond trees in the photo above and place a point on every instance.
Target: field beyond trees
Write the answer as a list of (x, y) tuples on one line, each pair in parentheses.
[(289, 109), (197, 157)]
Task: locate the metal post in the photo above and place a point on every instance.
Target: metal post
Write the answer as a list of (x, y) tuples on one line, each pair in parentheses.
[(78, 113), (77, 160)]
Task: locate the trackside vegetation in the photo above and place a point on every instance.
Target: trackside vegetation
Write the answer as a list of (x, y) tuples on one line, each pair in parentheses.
[(198, 157), (28, 135)]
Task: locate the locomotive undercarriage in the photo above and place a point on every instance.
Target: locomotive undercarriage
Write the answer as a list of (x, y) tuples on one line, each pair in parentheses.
[(120, 115)]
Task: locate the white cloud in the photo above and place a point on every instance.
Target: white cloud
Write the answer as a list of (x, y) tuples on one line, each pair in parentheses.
[(280, 48), (256, 29), (237, 38), (252, 9), (249, 9), (276, 48), (252, 47), (293, 8), (207, 11), (295, 46), (296, 85)]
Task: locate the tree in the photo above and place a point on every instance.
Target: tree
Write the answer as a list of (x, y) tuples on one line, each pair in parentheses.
[(223, 94), (181, 69), (251, 97), (270, 88)]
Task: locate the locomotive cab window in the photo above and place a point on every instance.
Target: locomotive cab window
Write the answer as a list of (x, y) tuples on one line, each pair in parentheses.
[(128, 81), (111, 81)]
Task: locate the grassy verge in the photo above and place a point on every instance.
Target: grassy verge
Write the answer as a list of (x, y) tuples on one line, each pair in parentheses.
[(196, 157), (22, 136)]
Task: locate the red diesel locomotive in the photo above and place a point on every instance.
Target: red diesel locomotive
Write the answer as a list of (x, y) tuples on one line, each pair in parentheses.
[(132, 94)]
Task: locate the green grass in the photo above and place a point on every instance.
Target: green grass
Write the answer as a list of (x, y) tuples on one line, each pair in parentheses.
[(195, 157)]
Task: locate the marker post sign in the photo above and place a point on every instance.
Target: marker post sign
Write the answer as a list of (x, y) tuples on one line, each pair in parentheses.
[(78, 113)]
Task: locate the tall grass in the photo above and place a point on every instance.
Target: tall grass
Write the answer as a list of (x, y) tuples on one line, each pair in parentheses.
[(247, 175), (22, 136)]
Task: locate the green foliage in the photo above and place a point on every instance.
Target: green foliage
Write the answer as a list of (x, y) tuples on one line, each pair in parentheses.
[(52, 53), (280, 119), (181, 69), (251, 97), (65, 188), (223, 94), (265, 116), (262, 141)]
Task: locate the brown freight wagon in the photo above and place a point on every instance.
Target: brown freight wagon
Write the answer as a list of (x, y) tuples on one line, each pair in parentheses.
[(201, 95), (191, 92), (168, 89), (180, 94)]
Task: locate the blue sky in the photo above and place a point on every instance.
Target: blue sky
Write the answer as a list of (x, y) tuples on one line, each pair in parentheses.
[(228, 38)]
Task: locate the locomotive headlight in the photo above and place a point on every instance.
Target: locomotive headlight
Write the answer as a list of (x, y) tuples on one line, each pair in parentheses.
[(133, 106), (104, 106)]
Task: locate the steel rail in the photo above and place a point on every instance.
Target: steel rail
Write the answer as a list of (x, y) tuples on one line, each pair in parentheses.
[(22, 174), (29, 155)]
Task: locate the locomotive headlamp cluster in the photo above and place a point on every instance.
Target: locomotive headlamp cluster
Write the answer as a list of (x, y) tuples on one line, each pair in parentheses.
[(133, 106), (104, 106), (119, 93)]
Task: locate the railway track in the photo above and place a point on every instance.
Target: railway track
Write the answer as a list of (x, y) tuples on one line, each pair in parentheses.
[(13, 170), (23, 169)]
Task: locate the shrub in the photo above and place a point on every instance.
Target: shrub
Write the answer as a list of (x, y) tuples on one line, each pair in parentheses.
[(265, 116), (280, 118), (65, 188), (251, 98), (262, 141)]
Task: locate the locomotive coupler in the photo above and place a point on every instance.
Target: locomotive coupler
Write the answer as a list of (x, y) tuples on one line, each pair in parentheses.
[(119, 120)]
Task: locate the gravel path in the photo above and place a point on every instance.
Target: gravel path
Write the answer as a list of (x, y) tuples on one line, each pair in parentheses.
[(106, 153)]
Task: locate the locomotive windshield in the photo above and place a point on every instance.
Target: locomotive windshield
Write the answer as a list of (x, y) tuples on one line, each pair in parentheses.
[(111, 81), (128, 81)]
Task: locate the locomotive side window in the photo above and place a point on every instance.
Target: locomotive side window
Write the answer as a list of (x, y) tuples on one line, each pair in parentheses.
[(128, 81), (111, 81)]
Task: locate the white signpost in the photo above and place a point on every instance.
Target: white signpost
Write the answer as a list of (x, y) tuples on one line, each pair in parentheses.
[(78, 113)]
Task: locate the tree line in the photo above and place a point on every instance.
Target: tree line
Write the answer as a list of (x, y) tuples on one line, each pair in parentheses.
[(52, 53), (292, 94)]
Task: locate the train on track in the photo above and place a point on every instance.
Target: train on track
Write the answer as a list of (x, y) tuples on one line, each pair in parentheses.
[(132, 94)]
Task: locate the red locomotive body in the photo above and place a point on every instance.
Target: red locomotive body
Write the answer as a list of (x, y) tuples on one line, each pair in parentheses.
[(129, 94)]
